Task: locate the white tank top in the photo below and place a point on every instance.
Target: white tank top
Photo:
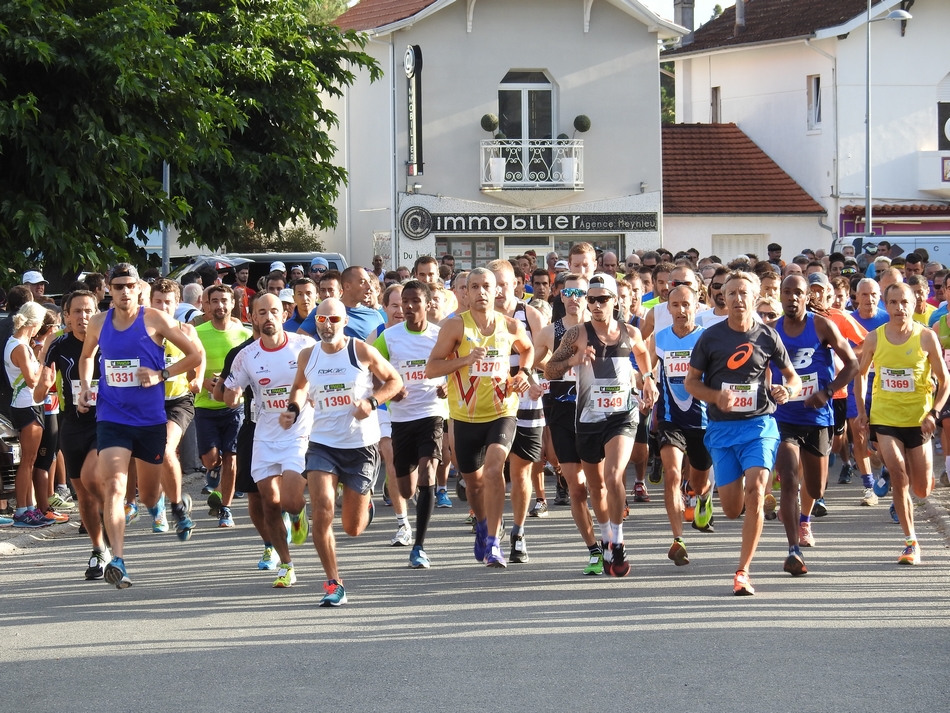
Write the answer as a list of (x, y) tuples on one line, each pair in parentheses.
[(22, 394), (337, 381)]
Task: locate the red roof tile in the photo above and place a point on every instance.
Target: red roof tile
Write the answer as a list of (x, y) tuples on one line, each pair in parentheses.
[(715, 168), (900, 209), (370, 14), (773, 20)]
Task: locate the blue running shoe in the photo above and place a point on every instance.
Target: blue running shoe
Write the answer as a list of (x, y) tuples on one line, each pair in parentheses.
[(269, 560), (183, 522), (335, 594), (819, 509), (442, 499), (481, 537), (225, 519), (893, 512), (240, 494), (159, 519), (115, 574), (418, 559), (882, 485)]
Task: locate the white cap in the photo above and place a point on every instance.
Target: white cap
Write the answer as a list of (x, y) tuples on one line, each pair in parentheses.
[(33, 278), (278, 265), (286, 295), (561, 265), (603, 281)]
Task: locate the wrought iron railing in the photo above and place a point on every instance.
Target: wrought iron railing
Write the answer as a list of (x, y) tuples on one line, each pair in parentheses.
[(537, 163)]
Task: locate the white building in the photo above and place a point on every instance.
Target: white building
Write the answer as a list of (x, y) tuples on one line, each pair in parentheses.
[(537, 65), (792, 78)]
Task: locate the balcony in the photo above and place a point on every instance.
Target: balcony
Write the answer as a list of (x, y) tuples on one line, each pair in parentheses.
[(933, 172), (532, 173)]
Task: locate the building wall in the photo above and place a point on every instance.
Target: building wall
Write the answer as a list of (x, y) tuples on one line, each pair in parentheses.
[(793, 233)]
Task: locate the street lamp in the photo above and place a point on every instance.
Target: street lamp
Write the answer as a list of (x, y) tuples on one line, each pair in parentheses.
[(892, 15)]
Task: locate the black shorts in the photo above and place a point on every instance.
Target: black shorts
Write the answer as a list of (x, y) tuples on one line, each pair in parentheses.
[(815, 440), (472, 440), (49, 445), (356, 468), (243, 482), (23, 417), (415, 440), (591, 445), (910, 436), (688, 440), (77, 441), (217, 428), (528, 443), (560, 417), (840, 408), (147, 443), (181, 411)]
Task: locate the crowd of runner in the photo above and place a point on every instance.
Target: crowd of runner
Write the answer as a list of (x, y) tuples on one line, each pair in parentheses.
[(321, 382)]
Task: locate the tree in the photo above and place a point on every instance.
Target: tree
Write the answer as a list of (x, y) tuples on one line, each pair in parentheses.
[(296, 239), (323, 11), (96, 94), (717, 11)]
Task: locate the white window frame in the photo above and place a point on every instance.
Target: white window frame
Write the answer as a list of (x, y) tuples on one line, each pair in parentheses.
[(814, 102), (715, 105)]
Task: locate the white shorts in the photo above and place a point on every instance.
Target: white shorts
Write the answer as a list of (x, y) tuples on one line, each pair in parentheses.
[(274, 457), (385, 423)]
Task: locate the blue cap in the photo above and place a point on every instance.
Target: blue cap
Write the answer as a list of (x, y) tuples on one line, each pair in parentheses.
[(319, 261)]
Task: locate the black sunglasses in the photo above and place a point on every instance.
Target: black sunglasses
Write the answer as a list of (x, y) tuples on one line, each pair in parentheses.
[(600, 299), (716, 285), (682, 283), (770, 316)]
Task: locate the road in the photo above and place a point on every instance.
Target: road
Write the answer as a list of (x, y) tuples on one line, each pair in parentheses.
[(202, 629)]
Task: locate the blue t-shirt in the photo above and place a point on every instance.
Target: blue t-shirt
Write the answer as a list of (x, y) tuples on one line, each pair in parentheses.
[(935, 317), (293, 324), (362, 322), (874, 322)]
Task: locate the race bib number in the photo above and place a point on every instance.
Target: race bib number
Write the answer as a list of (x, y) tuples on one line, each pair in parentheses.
[(809, 386), (899, 381), (493, 366), (275, 399), (76, 389), (743, 396), (121, 372), (334, 398), (676, 365), (413, 371), (545, 385), (570, 375), (608, 396)]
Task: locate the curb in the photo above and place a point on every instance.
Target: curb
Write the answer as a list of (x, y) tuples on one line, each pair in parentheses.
[(16, 544), (938, 515)]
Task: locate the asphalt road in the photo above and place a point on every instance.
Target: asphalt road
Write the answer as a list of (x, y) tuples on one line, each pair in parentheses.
[(202, 629)]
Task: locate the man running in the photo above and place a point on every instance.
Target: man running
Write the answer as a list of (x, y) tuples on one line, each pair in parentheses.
[(728, 370), (130, 413), (904, 408)]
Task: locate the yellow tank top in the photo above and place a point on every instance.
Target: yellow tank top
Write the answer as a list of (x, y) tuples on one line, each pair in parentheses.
[(480, 393), (902, 393), (177, 386)]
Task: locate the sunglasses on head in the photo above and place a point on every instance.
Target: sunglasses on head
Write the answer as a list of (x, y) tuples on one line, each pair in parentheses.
[(573, 292), (600, 299), (332, 318)]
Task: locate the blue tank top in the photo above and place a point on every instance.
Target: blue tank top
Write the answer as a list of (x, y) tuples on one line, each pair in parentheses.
[(815, 365), (121, 399), (675, 405)]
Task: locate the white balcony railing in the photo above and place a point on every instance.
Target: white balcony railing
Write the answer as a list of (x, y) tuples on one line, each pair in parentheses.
[(533, 164)]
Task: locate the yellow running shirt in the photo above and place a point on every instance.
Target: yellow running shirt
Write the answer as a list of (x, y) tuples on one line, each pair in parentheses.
[(903, 393), (479, 393)]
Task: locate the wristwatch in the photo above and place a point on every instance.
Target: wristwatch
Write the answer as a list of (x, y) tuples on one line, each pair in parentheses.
[(829, 392), (165, 375), (373, 403)]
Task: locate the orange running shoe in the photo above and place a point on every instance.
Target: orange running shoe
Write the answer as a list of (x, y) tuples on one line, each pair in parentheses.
[(742, 585)]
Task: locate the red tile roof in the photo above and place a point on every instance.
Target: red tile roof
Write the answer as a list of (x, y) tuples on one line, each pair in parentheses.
[(715, 168), (370, 14), (900, 209), (773, 20)]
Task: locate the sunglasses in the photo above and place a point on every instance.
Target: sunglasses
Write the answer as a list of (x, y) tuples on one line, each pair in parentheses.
[(770, 316), (682, 283), (332, 318), (318, 269), (118, 286), (573, 292), (633, 264), (716, 285), (600, 299)]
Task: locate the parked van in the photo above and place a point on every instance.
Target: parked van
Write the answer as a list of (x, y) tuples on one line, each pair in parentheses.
[(258, 263), (937, 245)]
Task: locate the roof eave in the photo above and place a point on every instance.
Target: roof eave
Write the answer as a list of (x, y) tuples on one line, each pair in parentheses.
[(856, 21), (732, 213), (725, 49)]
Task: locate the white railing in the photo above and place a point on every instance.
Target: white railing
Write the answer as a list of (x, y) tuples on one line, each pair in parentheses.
[(537, 163)]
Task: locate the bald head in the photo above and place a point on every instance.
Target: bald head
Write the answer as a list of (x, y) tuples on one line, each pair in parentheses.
[(330, 306)]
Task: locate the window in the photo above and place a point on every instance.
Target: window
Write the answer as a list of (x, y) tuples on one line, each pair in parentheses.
[(814, 102), (715, 106), (730, 246), (526, 114)]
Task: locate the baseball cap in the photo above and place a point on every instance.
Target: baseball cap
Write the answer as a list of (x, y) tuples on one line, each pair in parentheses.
[(286, 295), (319, 262), (296, 267), (123, 269), (605, 282), (561, 265), (818, 278), (33, 277), (278, 265)]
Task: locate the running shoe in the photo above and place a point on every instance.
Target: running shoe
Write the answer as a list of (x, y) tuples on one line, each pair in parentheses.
[(470, 520), (442, 499), (240, 494), (387, 501), (159, 520), (418, 559), (131, 513), (805, 536), (595, 565), (795, 564), (55, 518), (562, 494), (619, 566), (882, 485), (183, 522), (57, 502), (207, 490), (944, 480), (62, 492), (269, 560), (481, 546), (6, 521), (540, 508), (910, 554), (224, 518), (742, 585), (640, 494), (115, 574), (893, 512), (97, 565), (607, 554), (460, 492), (678, 554), (285, 518), (819, 509), (626, 509), (82, 528), (403, 536), (495, 558), (214, 504), (300, 528), (286, 577), (335, 594), (869, 498), (30, 519), (703, 513), (844, 477), (655, 469), (519, 550)]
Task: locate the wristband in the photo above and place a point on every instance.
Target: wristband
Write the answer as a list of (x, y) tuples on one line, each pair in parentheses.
[(649, 375), (933, 413), (373, 403), (294, 409)]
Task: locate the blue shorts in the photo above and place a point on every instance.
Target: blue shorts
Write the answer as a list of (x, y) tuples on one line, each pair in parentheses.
[(217, 428), (853, 405), (147, 443), (736, 446)]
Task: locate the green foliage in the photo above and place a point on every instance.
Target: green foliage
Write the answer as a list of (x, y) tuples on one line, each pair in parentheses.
[(489, 122), (295, 239), (717, 11), (667, 94), (323, 11), (582, 123)]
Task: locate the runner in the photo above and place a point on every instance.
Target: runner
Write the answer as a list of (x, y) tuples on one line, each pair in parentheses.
[(728, 370), (268, 367), (472, 350), (130, 413), (904, 408), (805, 423), (607, 415), (337, 375)]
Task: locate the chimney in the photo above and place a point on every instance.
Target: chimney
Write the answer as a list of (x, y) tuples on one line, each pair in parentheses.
[(740, 18), (683, 16)]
